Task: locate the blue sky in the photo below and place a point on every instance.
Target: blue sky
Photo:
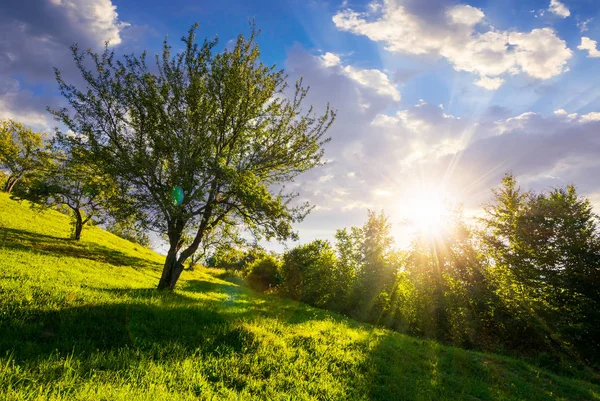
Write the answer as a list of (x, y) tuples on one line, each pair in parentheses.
[(433, 96)]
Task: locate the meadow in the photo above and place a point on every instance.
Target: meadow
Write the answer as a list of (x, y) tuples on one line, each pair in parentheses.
[(81, 320)]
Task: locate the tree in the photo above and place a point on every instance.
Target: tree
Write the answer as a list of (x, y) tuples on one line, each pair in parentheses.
[(263, 273), (545, 253), (308, 273), (451, 298), (207, 137), (216, 243), (22, 152), (78, 186), (375, 279), (128, 228), (349, 262)]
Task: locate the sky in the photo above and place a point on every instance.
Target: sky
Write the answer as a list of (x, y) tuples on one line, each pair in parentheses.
[(434, 98)]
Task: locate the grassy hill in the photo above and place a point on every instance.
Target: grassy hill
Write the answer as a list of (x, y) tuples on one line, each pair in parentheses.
[(81, 321)]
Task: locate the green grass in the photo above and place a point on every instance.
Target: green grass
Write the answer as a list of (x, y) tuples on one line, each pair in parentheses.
[(81, 321)]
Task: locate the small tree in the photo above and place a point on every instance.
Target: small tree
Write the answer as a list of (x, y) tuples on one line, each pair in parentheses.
[(22, 152), (263, 273), (75, 185), (204, 138), (308, 273)]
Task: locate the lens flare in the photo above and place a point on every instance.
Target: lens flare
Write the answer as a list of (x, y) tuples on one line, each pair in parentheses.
[(177, 195)]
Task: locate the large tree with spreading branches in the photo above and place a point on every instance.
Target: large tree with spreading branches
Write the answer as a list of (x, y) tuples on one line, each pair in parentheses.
[(204, 138)]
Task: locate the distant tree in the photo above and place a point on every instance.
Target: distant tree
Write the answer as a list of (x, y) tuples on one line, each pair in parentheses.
[(204, 138), (451, 298), (308, 273), (376, 276), (67, 182), (545, 252), (348, 243), (22, 152), (128, 228), (264, 273), (225, 236)]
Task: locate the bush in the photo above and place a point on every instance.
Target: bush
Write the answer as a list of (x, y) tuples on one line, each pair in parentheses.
[(263, 273), (309, 273)]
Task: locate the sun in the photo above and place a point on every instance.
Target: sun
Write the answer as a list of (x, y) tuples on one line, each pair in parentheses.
[(428, 211)]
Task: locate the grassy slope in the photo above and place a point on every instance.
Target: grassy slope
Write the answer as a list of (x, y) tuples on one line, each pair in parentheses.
[(81, 321)]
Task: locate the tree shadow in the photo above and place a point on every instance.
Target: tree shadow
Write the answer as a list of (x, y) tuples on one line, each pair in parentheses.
[(152, 322), (404, 368), (12, 238)]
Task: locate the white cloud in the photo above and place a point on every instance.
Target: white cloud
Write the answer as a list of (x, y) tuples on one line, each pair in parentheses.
[(98, 18), (489, 83), (558, 8), (591, 47), (374, 79), (589, 117), (368, 78), (20, 105), (583, 25), (488, 53), (330, 59), (465, 15), (36, 35), (397, 148)]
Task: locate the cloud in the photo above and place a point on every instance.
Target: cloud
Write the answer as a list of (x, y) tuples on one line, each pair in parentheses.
[(583, 25), (400, 148), (330, 60), (37, 33), (489, 83), (459, 34), (374, 79), (35, 37), (22, 105), (591, 47), (558, 8), (369, 78)]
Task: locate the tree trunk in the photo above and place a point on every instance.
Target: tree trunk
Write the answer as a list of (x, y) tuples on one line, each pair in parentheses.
[(173, 266), (174, 263), (78, 225), (10, 184), (170, 261)]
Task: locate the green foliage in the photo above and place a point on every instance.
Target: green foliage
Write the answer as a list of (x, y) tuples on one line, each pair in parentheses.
[(127, 228), (80, 321), (263, 273), (219, 126), (22, 152), (66, 181), (223, 246), (545, 252), (308, 273), (376, 272), (3, 179)]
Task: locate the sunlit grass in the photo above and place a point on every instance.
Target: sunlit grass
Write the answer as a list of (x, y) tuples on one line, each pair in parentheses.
[(81, 321)]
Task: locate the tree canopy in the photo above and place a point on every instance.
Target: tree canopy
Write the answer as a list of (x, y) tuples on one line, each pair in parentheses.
[(22, 152), (220, 131)]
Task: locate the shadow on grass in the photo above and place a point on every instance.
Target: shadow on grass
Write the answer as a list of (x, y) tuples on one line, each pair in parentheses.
[(404, 368), (152, 322), (149, 324), (12, 238)]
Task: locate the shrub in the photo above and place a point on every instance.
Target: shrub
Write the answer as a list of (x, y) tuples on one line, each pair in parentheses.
[(309, 273), (263, 273)]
